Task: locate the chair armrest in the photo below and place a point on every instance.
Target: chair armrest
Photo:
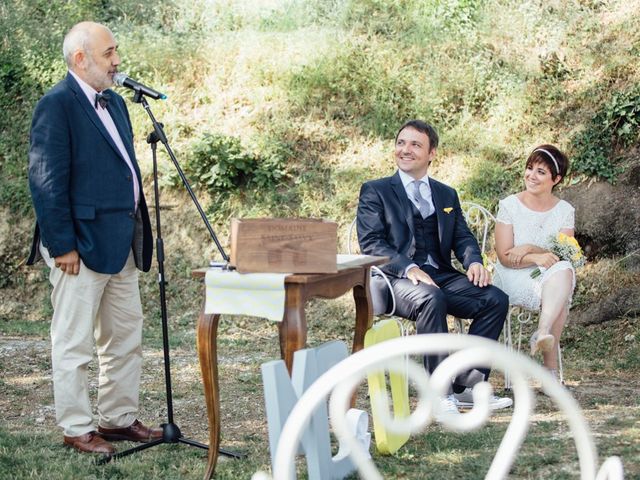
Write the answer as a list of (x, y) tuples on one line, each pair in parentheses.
[(393, 297)]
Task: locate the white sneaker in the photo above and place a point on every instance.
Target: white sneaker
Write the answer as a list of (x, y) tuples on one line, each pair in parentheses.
[(465, 400), (447, 408)]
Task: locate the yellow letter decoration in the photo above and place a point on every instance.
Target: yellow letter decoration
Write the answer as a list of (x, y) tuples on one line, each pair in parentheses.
[(387, 442)]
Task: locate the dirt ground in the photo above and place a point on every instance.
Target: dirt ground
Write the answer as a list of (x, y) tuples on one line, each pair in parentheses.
[(609, 402), (26, 398)]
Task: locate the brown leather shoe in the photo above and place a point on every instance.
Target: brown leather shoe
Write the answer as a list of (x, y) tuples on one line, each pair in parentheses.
[(91, 443), (136, 432)]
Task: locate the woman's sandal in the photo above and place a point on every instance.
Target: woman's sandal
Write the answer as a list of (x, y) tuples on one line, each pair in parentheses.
[(544, 343)]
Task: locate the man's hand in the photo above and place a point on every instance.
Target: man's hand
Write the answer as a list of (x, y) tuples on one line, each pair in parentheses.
[(478, 275), (69, 262), (416, 275)]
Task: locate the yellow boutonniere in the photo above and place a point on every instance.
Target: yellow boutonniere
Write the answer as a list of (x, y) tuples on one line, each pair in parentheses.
[(448, 210)]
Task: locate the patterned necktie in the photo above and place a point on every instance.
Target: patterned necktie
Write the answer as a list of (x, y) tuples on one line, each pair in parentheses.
[(102, 99), (423, 206)]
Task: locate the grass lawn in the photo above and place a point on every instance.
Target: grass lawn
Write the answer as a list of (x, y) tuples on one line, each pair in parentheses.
[(601, 372)]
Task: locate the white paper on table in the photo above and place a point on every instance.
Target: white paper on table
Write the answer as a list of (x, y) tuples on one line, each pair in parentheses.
[(254, 294), (345, 259)]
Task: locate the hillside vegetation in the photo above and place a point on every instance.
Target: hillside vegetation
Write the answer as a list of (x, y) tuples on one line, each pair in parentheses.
[(283, 108)]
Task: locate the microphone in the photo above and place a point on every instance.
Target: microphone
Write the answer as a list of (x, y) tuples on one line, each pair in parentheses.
[(122, 80)]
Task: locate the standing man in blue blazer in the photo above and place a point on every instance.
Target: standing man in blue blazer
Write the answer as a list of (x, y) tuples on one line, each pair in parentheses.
[(93, 231), (417, 222)]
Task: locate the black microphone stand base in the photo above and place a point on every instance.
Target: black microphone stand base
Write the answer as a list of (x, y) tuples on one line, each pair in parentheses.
[(170, 434)]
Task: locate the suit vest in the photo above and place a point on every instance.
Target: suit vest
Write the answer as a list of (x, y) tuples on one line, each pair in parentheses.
[(427, 239)]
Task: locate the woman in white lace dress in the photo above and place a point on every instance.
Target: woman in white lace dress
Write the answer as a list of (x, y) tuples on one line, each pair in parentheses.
[(525, 224)]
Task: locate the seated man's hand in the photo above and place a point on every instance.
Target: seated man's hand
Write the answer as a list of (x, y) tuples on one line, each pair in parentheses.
[(478, 275), (417, 275), (69, 262)]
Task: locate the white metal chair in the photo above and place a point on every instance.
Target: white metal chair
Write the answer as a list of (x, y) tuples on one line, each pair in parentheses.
[(341, 381), (481, 222)]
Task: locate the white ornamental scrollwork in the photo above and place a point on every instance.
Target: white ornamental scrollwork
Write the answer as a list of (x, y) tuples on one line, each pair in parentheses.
[(466, 352)]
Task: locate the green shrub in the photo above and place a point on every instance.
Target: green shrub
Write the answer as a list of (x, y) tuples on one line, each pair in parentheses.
[(612, 129), (219, 163), (593, 155), (271, 158), (622, 116)]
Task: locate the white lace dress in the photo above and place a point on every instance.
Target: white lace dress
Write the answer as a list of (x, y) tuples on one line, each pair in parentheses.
[(535, 228)]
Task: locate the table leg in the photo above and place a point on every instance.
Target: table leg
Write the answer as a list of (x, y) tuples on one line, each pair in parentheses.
[(293, 328), (207, 336), (364, 312)]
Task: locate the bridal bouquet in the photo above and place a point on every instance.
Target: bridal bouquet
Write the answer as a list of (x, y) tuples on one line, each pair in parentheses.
[(566, 248)]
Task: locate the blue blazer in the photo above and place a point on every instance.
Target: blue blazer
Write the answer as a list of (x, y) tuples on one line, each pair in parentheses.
[(385, 224), (81, 186)]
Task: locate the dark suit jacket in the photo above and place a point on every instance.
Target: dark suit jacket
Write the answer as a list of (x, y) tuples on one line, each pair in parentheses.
[(385, 224), (80, 183)]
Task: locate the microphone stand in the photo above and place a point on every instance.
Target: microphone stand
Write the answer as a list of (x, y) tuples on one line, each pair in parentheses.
[(170, 431)]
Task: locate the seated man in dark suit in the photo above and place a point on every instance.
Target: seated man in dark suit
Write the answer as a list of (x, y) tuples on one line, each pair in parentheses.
[(417, 222)]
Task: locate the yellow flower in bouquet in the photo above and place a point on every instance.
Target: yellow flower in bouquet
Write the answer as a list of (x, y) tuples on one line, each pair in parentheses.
[(566, 248)]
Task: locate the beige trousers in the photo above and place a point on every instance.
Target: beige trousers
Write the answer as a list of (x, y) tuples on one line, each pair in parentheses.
[(105, 308)]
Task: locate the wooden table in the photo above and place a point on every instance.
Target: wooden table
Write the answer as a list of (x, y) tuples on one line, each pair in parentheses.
[(299, 288)]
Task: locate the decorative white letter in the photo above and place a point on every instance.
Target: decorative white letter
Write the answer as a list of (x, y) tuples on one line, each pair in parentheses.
[(281, 394)]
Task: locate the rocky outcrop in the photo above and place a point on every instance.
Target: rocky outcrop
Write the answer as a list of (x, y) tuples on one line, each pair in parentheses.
[(623, 303), (607, 216)]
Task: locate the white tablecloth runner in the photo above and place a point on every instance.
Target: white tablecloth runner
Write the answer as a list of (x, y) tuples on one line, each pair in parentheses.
[(254, 294)]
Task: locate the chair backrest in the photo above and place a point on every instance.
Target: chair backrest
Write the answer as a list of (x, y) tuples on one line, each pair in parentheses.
[(352, 238), (466, 351), (481, 222)]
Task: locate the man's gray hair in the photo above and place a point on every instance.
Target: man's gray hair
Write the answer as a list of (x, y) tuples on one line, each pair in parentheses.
[(76, 39)]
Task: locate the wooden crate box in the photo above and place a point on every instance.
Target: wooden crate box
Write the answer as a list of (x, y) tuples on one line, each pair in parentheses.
[(282, 245)]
